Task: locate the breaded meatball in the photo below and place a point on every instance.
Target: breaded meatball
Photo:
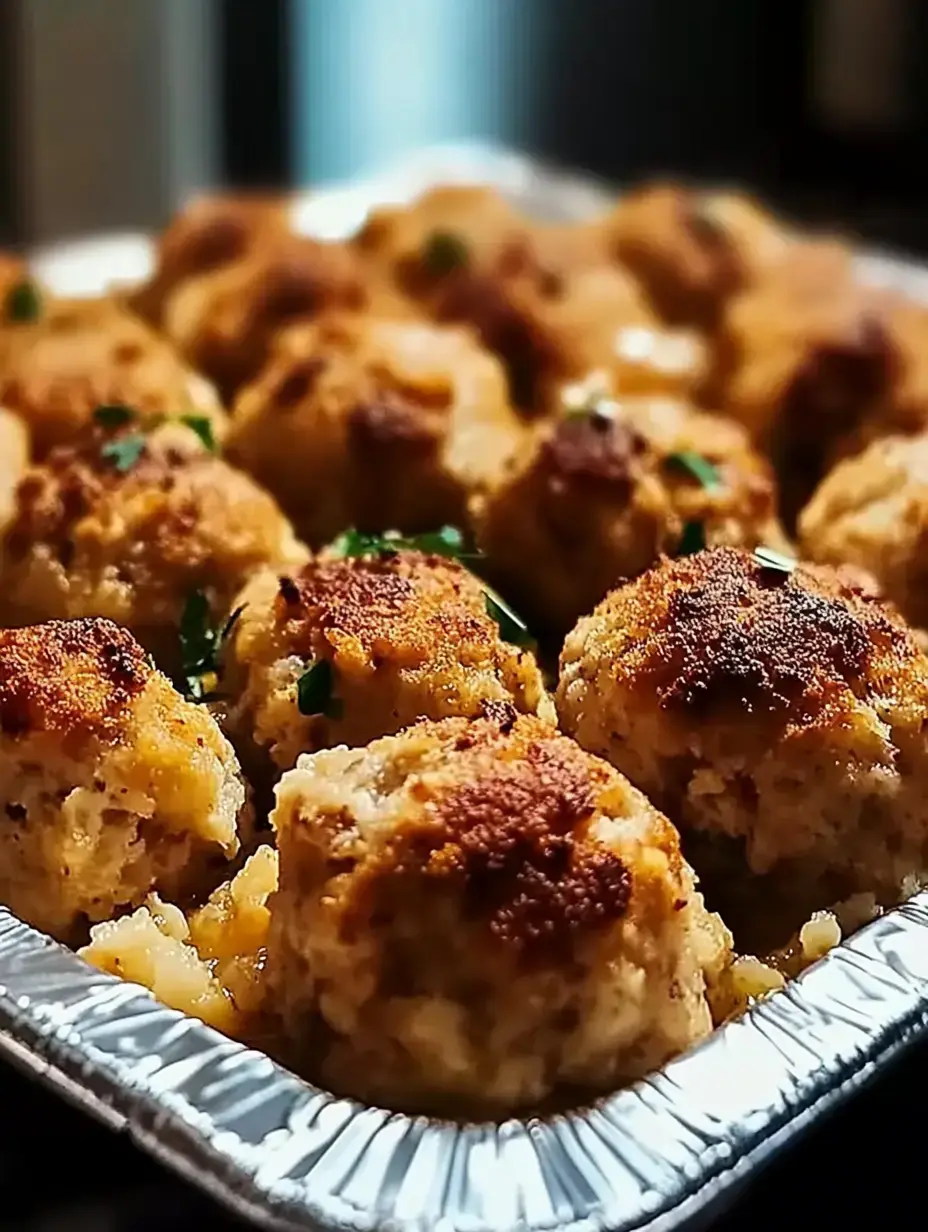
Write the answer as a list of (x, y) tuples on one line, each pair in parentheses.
[(111, 785), (349, 649), (207, 234), (600, 493), (374, 423), (814, 363), (692, 250), (472, 915), (547, 299), (82, 354), (128, 525), (210, 964), (225, 322), (784, 710), (872, 511)]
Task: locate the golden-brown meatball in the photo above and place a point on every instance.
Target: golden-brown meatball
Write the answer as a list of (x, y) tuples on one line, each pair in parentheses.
[(349, 649), (547, 299), (374, 423), (473, 914), (128, 525), (207, 234), (872, 511), (785, 710), (600, 493), (82, 354), (111, 785), (225, 322), (211, 963), (814, 363), (692, 250)]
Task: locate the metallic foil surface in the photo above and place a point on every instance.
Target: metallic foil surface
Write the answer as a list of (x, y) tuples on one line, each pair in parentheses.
[(660, 1155)]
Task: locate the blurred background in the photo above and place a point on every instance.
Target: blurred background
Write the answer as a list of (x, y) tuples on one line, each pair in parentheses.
[(115, 110)]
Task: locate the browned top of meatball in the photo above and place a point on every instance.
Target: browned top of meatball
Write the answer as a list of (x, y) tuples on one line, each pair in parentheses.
[(207, 234), (69, 675), (407, 608), (592, 446), (509, 827), (722, 632)]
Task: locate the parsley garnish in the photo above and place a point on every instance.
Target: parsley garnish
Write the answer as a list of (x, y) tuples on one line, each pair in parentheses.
[(200, 643), (203, 427), (693, 539), (448, 542), (512, 628), (125, 451), (443, 252), (700, 468), (315, 691), (114, 415), (767, 558), (23, 302)]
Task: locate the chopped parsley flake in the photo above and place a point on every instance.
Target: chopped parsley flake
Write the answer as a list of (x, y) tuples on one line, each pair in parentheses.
[(315, 691), (114, 415), (201, 641), (693, 539), (512, 628), (23, 303), (443, 252), (767, 558), (354, 544), (203, 427), (700, 468), (125, 451)]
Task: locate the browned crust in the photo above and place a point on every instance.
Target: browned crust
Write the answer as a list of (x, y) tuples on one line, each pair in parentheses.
[(510, 835), (408, 605), (718, 633), (68, 676), (598, 447)]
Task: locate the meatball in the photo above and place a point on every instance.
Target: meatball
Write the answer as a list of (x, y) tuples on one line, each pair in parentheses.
[(352, 648), (600, 493), (872, 511), (780, 707), (547, 299), (225, 322), (811, 362), (112, 785), (128, 525), (209, 233), (82, 354), (474, 914), (692, 250), (374, 423), (211, 963)]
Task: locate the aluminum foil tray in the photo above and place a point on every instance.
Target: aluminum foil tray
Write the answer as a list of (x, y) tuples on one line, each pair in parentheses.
[(663, 1154)]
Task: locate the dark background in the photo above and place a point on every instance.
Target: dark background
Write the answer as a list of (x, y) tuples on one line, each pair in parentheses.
[(713, 89)]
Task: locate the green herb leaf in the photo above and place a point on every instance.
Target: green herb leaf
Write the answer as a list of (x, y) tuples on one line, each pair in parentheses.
[(693, 539), (512, 628), (443, 252), (114, 415), (448, 542), (700, 468), (125, 451), (231, 623), (200, 643), (203, 427), (315, 691), (767, 558), (23, 303)]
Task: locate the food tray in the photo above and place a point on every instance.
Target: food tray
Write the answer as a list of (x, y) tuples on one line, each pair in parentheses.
[(663, 1154)]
